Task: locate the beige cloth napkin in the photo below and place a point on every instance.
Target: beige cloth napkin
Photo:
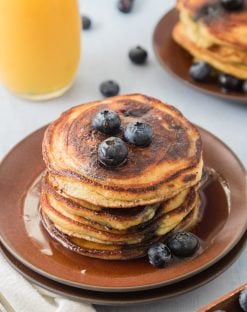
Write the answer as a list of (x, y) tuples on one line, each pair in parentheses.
[(25, 297)]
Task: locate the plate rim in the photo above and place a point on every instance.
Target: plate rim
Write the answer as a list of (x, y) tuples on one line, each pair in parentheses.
[(234, 257), (126, 288)]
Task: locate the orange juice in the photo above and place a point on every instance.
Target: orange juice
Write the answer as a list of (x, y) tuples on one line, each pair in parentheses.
[(39, 46)]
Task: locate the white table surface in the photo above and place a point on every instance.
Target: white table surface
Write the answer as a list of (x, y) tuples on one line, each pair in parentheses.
[(105, 49)]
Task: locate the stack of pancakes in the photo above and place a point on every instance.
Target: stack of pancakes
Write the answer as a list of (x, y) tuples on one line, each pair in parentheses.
[(117, 213), (212, 34)]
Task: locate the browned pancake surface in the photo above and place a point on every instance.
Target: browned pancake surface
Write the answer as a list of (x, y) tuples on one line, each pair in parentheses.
[(174, 156), (78, 226), (82, 141), (227, 27), (112, 252)]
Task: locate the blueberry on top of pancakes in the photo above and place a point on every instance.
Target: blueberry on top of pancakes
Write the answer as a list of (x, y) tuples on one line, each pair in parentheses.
[(106, 121), (138, 133), (112, 152)]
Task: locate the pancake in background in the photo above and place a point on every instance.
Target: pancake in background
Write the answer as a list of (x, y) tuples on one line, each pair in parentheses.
[(216, 25), (214, 56), (214, 35)]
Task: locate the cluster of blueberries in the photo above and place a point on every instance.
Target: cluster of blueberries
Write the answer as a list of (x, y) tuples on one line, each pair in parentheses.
[(202, 72), (113, 151), (180, 245)]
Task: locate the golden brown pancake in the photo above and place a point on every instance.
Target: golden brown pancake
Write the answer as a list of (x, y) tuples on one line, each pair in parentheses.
[(216, 56), (172, 162), (220, 27), (113, 252), (120, 219), (78, 226)]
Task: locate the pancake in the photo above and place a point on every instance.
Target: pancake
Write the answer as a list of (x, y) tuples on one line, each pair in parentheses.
[(213, 56), (220, 26), (214, 35), (77, 226), (112, 252), (171, 164), (114, 218)]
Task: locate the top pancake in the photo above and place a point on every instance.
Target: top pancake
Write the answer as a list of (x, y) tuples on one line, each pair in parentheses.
[(220, 26), (171, 163)]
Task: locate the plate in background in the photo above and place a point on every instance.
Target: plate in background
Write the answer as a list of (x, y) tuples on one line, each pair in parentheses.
[(177, 61)]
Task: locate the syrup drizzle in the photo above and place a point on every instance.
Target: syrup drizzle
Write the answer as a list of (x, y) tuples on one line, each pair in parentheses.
[(32, 218), (213, 175)]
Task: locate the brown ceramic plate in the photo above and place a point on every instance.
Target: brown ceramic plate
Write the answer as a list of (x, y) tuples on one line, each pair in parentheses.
[(115, 298), (177, 61), (228, 302), (220, 230)]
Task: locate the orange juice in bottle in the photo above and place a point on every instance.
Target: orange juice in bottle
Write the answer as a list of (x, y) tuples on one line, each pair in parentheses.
[(39, 46)]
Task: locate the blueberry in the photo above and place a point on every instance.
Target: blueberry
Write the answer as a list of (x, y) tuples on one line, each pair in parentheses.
[(159, 255), (232, 5), (243, 300), (112, 152), (138, 133), (106, 121), (200, 71), (229, 83), (109, 88), (245, 86), (125, 6), (86, 22), (138, 55), (183, 244)]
